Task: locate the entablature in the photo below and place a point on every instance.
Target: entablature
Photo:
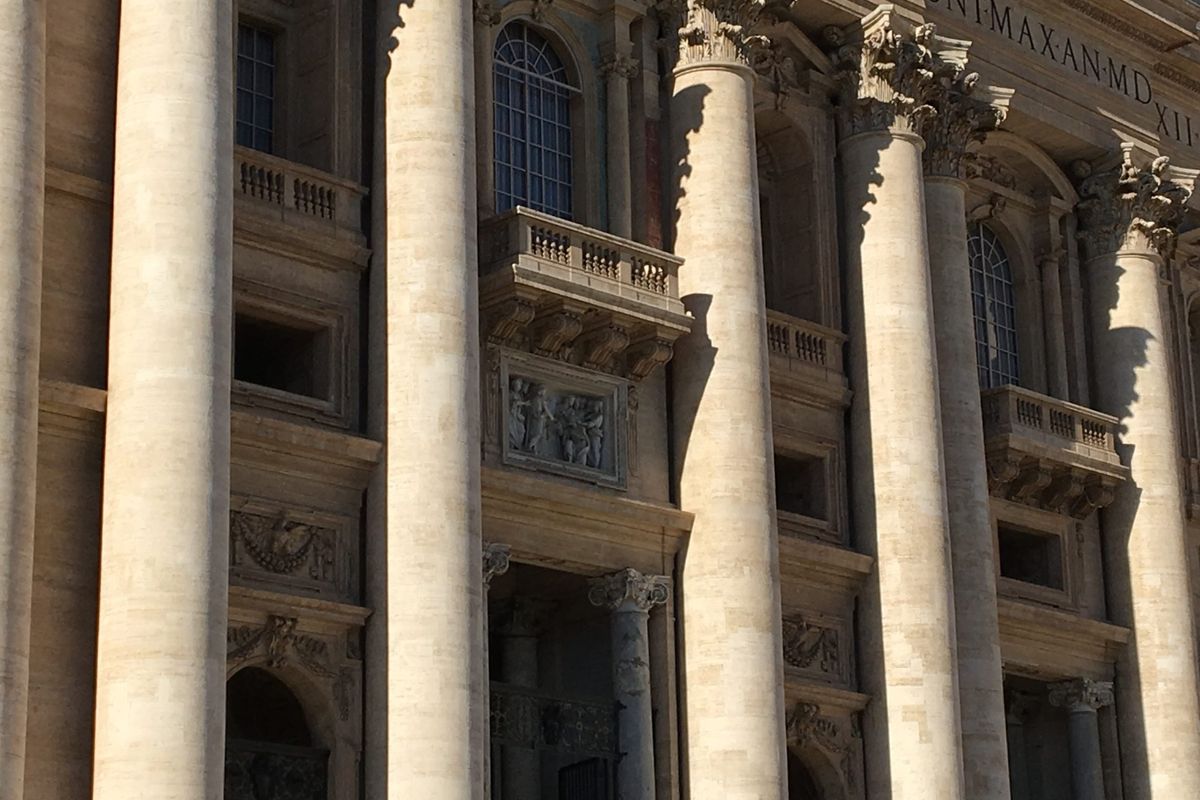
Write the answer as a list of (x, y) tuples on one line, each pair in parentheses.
[(1046, 643)]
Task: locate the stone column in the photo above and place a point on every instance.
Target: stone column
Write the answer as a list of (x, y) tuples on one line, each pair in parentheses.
[(495, 562), (1018, 706), (435, 692), (1128, 219), (617, 71), (22, 178), (732, 643), (1083, 698), (524, 620), (160, 671), (630, 595), (961, 118), (486, 19), (911, 728), (1056, 332)]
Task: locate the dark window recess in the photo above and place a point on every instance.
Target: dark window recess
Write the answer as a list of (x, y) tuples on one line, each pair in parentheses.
[(1031, 557), (256, 66), (800, 486), (290, 358)]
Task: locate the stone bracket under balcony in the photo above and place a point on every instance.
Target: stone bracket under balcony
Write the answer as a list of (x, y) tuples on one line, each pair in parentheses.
[(561, 290), (1048, 453)]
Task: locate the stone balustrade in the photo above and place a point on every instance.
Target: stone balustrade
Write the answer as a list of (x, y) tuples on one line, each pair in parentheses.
[(1049, 453), (298, 194), (805, 354)]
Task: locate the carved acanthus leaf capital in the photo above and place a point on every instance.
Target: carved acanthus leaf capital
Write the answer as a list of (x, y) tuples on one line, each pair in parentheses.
[(620, 66), (720, 30), (890, 78), (629, 589), (495, 561), (1136, 206), (486, 13), (963, 116), (1082, 695)]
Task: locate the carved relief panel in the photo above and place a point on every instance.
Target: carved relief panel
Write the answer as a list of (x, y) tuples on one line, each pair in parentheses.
[(818, 647), (308, 554), (553, 417)]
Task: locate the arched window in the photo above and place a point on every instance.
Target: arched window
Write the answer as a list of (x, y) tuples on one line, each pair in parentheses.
[(994, 309), (532, 123)]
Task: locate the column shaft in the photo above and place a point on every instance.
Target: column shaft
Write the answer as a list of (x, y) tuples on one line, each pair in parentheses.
[(732, 647), (631, 689), (908, 648), (521, 768), (160, 673), (1144, 531), (1087, 776), (977, 634), (435, 716), (22, 179), (620, 217)]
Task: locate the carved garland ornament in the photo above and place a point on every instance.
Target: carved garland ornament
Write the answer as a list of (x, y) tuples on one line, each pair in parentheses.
[(1130, 207), (890, 79), (283, 547), (808, 646), (278, 639)]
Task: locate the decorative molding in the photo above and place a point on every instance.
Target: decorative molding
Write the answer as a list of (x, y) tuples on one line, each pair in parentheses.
[(1114, 23), (620, 66), (1174, 75), (962, 118), (540, 7), (720, 30), (1081, 695), (807, 727), (629, 589), (778, 69), (495, 561), (1136, 206), (282, 546), (279, 641), (810, 646), (486, 13), (890, 79), (981, 166)]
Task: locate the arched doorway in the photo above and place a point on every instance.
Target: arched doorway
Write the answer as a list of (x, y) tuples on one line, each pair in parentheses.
[(269, 752), (801, 783)]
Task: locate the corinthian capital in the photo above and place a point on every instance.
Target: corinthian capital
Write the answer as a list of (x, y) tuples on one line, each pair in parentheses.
[(891, 71), (495, 561), (1081, 695), (629, 588), (1136, 206), (719, 30), (963, 116)]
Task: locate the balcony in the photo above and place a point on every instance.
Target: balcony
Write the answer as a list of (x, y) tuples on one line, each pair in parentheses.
[(562, 290), (301, 199), (806, 357), (1048, 453)]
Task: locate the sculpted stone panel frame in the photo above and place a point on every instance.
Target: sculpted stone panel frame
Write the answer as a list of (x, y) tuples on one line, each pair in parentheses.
[(563, 420)]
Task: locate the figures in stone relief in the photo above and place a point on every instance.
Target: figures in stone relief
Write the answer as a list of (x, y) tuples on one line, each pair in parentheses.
[(563, 427)]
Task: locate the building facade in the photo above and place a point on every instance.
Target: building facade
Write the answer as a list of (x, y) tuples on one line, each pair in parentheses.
[(596, 399)]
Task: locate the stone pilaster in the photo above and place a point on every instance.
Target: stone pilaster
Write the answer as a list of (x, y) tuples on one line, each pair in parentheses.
[(22, 179), (521, 623), (1053, 321), (961, 118), (435, 715), (617, 71), (496, 560), (891, 70), (160, 671), (732, 657), (1128, 218), (629, 595), (1082, 699)]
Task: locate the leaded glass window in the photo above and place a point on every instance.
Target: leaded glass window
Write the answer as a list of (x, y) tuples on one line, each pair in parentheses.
[(994, 309), (532, 123), (256, 88)]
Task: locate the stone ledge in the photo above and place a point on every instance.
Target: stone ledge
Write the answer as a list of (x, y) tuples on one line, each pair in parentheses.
[(71, 410), (309, 451), (1047, 643), (823, 566), (251, 606), (796, 688), (578, 529)]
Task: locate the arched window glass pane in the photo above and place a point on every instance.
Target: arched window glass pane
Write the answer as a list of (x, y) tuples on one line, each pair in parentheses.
[(994, 309), (531, 124)]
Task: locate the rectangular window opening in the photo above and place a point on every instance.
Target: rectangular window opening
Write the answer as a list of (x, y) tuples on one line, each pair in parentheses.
[(1031, 557), (256, 72), (800, 486), (288, 356)]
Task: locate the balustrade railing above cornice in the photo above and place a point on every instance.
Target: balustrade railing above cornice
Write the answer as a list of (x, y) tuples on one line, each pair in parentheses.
[(806, 357), (298, 194)]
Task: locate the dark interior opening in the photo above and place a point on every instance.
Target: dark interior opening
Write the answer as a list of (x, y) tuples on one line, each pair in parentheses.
[(261, 708), (1031, 557), (800, 486), (288, 357)]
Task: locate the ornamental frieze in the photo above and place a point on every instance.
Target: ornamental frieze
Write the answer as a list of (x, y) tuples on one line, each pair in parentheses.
[(272, 547)]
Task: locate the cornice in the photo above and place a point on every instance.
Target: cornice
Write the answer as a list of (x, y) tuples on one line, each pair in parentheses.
[(303, 450), (1049, 642)]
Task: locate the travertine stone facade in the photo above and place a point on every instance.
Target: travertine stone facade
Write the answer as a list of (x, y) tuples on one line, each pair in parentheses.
[(599, 399)]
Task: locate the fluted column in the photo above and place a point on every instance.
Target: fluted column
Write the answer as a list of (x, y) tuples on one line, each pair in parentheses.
[(630, 595), (22, 179), (1082, 699), (1128, 219), (617, 71), (961, 118), (890, 71), (732, 651), (435, 692), (496, 559), (160, 672)]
